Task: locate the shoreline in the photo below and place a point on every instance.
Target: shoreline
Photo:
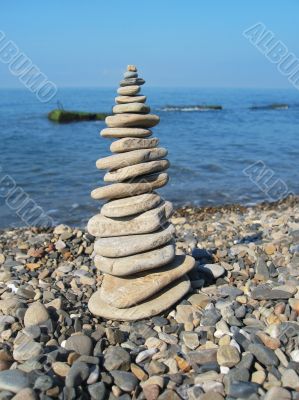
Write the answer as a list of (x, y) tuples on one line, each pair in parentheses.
[(234, 335)]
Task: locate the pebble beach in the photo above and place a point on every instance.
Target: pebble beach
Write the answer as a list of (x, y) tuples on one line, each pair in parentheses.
[(233, 336)]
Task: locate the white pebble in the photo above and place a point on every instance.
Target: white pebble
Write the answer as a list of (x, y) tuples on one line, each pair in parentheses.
[(12, 287), (63, 343), (224, 370), (143, 355), (295, 355)]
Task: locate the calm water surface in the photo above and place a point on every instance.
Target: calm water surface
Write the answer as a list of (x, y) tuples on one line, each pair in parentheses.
[(208, 150)]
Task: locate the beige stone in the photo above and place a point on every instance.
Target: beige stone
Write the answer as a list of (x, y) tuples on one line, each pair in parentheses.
[(125, 132), (128, 245), (123, 174), (149, 221), (136, 186), (128, 90), (124, 266), (132, 120), (130, 158), (124, 292), (129, 144), (153, 306), (130, 99), (130, 205), (139, 108), (132, 68)]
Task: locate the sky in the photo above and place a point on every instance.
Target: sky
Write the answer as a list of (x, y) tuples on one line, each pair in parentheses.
[(174, 43)]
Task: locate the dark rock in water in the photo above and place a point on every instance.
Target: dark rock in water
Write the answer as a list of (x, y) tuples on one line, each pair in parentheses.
[(273, 106), (263, 354), (63, 116), (242, 390), (13, 380), (126, 381), (202, 107)]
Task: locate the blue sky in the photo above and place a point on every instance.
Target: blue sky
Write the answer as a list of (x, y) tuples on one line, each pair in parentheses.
[(173, 42)]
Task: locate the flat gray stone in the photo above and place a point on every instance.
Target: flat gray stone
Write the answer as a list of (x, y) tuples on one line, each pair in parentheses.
[(130, 158), (130, 74), (26, 348), (128, 245), (125, 132), (124, 292), (13, 380), (128, 90), (144, 184), (149, 221), (126, 381), (129, 144), (153, 306), (131, 81), (215, 270), (130, 205), (123, 266), (139, 108), (132, 120), (130, 99), (133, 171)]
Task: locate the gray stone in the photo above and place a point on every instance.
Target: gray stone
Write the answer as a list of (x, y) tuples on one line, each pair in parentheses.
[(130, 99), (124, 292), (124, 266), (152, 306), (243, 390), (36, 314), (129, 144), (133, 244), (26, 349), (130, 74), (132, 120), (77, 374), (263, 354), (13, 380), (126, 159), (132, 81), (125, 133), (147, 222), (97, 391), (140, 185), (277, 393), (228, 356), (262, 271), (117, 358), (214, 270), (130, 205), (129, 90), (81, 344), (133, 171), (126, 381), (131, 108)]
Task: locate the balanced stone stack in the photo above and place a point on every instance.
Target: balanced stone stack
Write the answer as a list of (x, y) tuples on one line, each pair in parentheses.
[(134, 245)]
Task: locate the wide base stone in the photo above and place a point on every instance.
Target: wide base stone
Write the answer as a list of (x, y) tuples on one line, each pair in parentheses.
[(124, 292), (155, 305)]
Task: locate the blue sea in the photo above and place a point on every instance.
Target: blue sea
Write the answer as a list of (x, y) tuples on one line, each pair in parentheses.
[(54, 164)]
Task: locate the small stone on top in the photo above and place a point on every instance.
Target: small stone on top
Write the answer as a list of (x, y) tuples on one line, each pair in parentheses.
[(131, 68)]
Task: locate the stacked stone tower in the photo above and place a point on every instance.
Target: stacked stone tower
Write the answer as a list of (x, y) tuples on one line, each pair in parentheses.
[(134, 245)]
